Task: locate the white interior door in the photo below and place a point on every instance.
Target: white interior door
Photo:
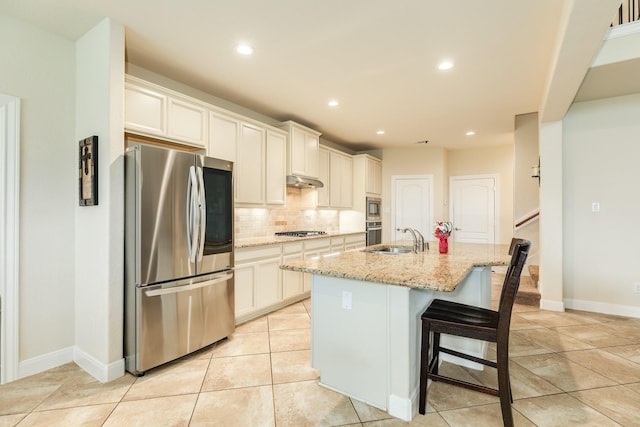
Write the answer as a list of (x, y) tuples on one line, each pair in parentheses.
[(412, 205), (473, 208), (9, 234)]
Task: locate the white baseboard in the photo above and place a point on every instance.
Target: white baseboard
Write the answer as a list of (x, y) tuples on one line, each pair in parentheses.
[(400, 407), (551, 305), (98, 370), (46, 361), (605, 308)]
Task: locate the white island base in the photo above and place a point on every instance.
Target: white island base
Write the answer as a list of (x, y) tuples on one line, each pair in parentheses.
[(365, 337)]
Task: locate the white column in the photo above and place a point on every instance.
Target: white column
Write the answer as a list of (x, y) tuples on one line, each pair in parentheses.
[(99, 234), (551, 217)]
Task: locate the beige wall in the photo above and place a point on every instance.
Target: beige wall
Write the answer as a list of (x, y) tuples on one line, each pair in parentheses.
[(442, 164), (421, 160), (601, 164), (39, 69), (489, 160)]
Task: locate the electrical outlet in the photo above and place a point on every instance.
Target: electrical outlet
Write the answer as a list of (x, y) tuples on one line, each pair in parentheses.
[(347, 300), (636, 287), (595, 207)]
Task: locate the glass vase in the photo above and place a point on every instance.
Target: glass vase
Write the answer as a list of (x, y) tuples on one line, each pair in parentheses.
[(444, 245)]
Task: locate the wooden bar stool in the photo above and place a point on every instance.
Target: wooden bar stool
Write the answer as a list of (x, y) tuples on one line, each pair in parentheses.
[(446, 317)]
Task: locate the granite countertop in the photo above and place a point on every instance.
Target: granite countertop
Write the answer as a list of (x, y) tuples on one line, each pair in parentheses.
[(276, 240), (428, 270)]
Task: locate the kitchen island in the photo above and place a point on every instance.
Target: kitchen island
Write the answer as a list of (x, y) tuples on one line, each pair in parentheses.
[(365, 316)]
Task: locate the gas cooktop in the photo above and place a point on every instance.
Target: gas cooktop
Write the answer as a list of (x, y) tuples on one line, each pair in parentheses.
[(300, 233)]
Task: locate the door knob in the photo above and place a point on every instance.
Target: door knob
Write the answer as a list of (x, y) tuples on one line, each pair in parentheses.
[(458, 229)]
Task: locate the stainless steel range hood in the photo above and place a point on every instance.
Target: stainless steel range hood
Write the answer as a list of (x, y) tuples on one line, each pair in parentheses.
[(303, 182)]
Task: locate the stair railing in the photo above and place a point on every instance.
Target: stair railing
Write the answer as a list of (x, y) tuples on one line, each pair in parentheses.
[(527, 219), (629, 11)]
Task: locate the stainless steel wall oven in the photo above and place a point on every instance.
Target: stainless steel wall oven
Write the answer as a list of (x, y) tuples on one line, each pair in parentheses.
[(374, 233), (373, 208)]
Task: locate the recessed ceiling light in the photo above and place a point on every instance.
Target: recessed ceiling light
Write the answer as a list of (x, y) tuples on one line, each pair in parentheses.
[(380, 132), (244, 49), (333, 103), (470, 133), (445, 65)]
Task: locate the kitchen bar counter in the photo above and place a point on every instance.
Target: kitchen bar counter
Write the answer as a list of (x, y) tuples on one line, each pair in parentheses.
[(276, 240), (428, 270), (365, 316)]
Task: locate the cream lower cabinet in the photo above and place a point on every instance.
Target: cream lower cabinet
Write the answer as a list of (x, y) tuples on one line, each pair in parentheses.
[(257, 281), (355, 241), (315, 248), (292, 281), (262, 287)]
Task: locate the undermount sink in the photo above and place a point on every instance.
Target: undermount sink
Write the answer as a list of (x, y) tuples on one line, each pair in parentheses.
[(392, 250)]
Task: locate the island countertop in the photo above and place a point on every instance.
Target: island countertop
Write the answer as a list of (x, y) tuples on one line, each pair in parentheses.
[(428, 270)]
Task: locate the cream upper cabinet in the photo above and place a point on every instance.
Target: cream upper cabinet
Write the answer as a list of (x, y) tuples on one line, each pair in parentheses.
[(260, 165), (323, 175), (249, 166), (187, 122), (145, 109), (341, 180), (223, 136), (152, 110), (275, 177), (373, 179), (303, 146), (336, 173), (367, 180)]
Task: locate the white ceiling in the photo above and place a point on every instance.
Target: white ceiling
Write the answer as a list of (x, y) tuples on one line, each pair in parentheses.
[(379, 58)]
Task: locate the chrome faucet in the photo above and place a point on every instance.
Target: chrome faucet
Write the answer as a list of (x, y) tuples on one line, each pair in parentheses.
[(422, 245), (413, 234)]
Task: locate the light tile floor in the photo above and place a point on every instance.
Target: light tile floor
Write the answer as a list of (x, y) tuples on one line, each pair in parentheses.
[(567, 369)]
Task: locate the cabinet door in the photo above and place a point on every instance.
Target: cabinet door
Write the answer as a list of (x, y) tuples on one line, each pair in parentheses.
[(297, 152), (312, 149), (314, 249), (292, 281), (335, 188), (145, 110), (223, 137), (373, 182), (275, 178), (187, 122), (244, 289), (347, 182), (323, 175), (250, 165), (267, 283)]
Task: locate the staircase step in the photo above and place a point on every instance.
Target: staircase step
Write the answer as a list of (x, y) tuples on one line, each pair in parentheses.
[(534, 271), (528, 293)]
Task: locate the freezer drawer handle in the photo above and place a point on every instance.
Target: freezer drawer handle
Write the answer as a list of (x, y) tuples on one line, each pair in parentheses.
[(176, 289)]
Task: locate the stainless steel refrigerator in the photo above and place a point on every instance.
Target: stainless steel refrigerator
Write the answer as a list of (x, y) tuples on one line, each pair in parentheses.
[(179, 280)]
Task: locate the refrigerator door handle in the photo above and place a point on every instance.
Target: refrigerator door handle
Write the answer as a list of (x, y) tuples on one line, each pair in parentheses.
[(191, 212), (175, 289), (202, 223)]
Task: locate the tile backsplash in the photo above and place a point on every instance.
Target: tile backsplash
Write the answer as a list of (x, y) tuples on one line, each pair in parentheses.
[(261, 222)]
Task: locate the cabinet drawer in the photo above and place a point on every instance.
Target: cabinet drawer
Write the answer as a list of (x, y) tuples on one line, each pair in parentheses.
[(244, 255), (292, 248), (317, 244), (355, 238)]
